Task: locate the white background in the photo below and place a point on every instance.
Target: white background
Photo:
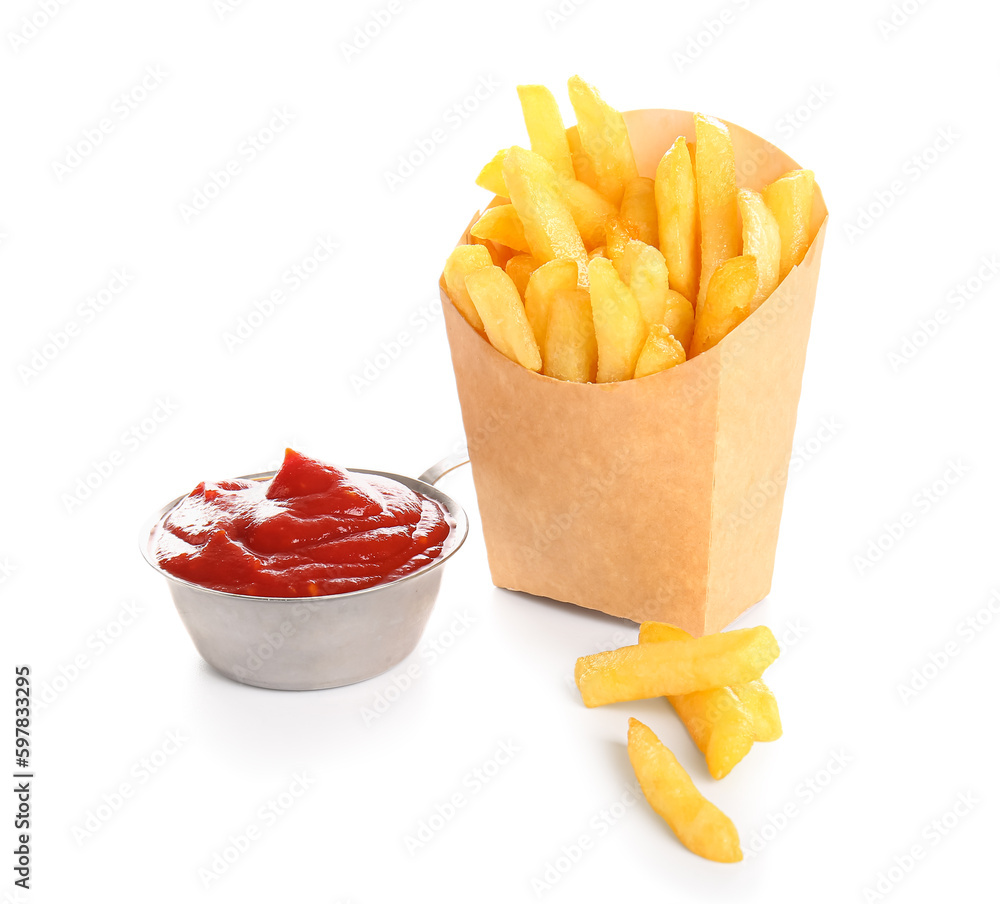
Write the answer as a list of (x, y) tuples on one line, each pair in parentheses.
[(852, 630)]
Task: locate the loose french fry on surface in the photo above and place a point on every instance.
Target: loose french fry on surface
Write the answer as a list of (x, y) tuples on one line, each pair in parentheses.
[(715, 178), (546, 131), (499, 305), (491, 176), (762, 239), (604, 139), (543, 285), (639, 208), (727, 303), (618, 323), (461, 262), (643, 269), (790, 200), (519, 268), (675, 667), (717, 720), (660, 351), (502, 225), (549, 229), (759, 702), (698, 824), (677, 219), (678, 317), (570, 351)]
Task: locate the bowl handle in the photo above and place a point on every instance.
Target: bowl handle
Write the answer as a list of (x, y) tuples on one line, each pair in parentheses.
[(436, 471)]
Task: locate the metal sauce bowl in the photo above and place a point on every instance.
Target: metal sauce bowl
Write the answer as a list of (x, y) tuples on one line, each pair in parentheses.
[(312, 642)]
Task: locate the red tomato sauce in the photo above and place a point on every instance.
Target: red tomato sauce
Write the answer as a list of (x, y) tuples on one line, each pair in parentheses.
[(311, 530)]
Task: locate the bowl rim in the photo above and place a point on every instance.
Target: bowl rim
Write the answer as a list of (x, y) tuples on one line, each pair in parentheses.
[(456, 538)]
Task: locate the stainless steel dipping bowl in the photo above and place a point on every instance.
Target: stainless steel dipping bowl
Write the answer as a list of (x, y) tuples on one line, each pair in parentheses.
[(307, 643)]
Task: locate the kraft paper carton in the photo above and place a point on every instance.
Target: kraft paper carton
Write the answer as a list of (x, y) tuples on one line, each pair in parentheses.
[(657, 498)]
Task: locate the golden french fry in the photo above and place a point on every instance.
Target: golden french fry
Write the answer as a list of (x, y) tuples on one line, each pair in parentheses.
[(675, 667), (644, 271), (534, 190), (582, 165), (491, 176), (678, 317), (660, 351), (762, 239), (727, 303), (464, 260), (545, 283), (715, 178), (519, 268), (604, 139), (790, 200), (639, 209), (618, 323), (499, 305), (698, 824), (759, 702), (570, 350), (546, 131), (589, 208), (599, 251), (677, 218), (617, 234), (502, 225), (718, 722)]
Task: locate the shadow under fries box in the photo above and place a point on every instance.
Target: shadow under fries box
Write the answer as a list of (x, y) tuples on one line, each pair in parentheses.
[(651, 499)]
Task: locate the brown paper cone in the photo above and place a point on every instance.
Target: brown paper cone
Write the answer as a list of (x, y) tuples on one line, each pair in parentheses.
[(657, 498)]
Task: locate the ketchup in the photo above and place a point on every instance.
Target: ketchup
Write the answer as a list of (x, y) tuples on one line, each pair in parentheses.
[(311, 530)]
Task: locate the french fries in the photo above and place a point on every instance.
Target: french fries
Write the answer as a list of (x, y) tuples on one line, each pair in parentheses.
[(616, 236), (519, 268), (678, 317), (549, 229), (715, 178), (465, 259), (546, 131), (790, 200), (660, 352), (604, 139), (760, 704), (618, 323), (496, 299), (583, 166), (762, 240), (698, 824), (727, 303), (644, 271), (696, 254), (677, 218), (717, 719), (639, 209), (501, 224), (675, 667), (723, 719), (570, 350), (543, 285), (590, 209), (491, 176)]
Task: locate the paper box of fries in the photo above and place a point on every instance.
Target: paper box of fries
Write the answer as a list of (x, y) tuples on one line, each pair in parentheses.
[(630, 454)]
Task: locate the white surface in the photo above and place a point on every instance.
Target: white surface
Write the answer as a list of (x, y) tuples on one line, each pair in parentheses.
[(507, 678)]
